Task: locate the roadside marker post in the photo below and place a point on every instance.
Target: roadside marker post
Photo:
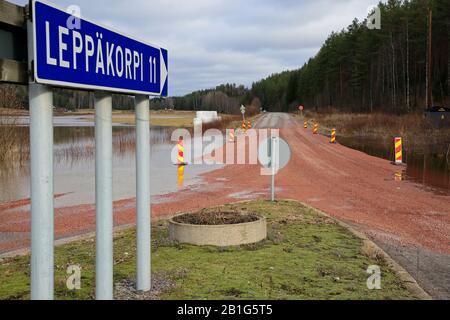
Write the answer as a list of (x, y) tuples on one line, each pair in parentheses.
[(249, 125), (78, 58), (231, 134), (316, 128), (398, 150), (143, 214), (333, 136), (305, 124)]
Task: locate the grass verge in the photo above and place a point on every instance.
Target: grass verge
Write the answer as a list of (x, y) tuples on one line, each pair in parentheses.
[(306, 256)]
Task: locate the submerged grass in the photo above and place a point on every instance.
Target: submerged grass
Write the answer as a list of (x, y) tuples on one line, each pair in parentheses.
[(306, 256), (13, 142), (418, 133)]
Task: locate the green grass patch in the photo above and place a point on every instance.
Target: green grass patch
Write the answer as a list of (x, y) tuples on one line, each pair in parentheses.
[(306, 256)]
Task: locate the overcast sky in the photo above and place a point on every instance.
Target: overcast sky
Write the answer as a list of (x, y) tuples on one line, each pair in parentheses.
[(218, 41)]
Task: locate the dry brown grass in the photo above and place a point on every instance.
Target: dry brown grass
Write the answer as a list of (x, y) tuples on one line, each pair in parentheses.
[(216, 218), (225, 122), (413, 128), (14, 143)]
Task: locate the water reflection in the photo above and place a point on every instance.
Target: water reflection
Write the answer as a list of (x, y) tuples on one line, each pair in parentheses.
[(74, 166), (181, 176), (429, 168)]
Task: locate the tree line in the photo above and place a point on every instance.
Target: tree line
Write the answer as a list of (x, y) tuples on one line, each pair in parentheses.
[(225, 98), (363, 70), (357, 69)]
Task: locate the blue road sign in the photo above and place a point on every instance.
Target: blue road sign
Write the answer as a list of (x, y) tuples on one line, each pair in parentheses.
[(89, 56)]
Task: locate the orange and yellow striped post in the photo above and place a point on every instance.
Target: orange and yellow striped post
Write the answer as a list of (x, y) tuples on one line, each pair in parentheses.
[(316, 128), (231, 135), (249, 125), (305, 124), (333, 136), (181, 152), (244, 127), (398, 150)]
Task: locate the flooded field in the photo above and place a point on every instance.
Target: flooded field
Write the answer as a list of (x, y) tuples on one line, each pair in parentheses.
[(429, 169), (74, 165)]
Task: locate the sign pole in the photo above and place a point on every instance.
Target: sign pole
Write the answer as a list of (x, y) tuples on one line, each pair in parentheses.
[(143, 215), (103, 197), (273, 162), (42, 212), (243, 114)]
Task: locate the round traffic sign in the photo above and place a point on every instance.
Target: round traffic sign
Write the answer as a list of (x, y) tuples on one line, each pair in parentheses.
[(264, 153)]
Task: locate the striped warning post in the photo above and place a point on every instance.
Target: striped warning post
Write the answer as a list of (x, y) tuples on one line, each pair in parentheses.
[(333, 136), (249, 125), (305, 124), (398, 150), (231, 135), (244, 127), (181, 152), (316, 128)]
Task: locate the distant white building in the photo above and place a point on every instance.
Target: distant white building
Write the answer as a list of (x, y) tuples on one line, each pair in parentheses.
[(205, 117)]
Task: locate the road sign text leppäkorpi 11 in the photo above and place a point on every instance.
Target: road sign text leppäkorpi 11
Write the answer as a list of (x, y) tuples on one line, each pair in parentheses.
[(94, 57)]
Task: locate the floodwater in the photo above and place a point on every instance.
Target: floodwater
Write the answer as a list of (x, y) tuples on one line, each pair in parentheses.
[(74, 165), (430, 170)]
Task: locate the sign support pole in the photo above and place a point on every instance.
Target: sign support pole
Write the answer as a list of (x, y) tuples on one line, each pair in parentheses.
[(273, 164), (143, 215), (103, 197), (42, 211)]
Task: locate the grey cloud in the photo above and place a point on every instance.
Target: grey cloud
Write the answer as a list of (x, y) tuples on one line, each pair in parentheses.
[(216, 41)]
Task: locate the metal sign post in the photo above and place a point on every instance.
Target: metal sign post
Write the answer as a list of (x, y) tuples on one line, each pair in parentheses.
[(301, 108), (42, 212), (103, 197), (273, 154), (143, 221), (243, 112), (274, 150), (42, 209)]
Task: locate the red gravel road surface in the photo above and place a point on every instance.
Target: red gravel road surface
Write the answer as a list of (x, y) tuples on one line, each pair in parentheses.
[(410, 223)]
